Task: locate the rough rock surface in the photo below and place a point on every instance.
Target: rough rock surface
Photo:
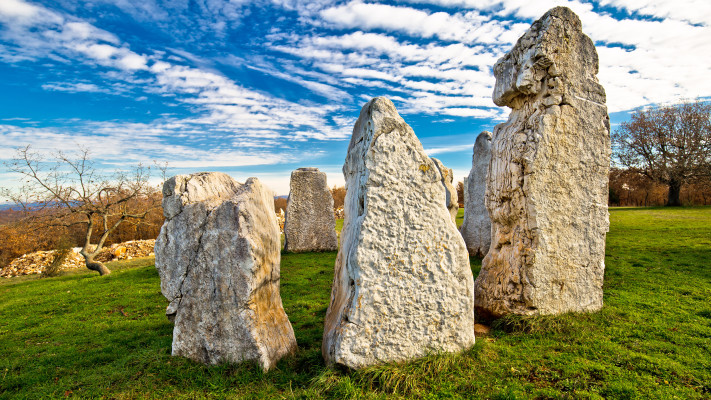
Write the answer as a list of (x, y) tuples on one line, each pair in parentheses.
[(280, 220), (547, 185), (309, 223), (449, 189), (476, 227), (218, 256), (403, 286)]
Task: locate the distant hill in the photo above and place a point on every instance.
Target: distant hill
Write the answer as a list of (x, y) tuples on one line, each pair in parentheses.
[(9, 215)]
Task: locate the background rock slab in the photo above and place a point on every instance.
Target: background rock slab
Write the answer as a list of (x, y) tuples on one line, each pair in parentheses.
[(476, 227), (309, 222), (403, 286), (547, 186), (218, 256), (449, 189)]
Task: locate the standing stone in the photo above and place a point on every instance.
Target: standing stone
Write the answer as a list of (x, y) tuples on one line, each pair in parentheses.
[(218, 256), (547, 187), (476, 227), (403, 286), (449, 189), (309, 223)]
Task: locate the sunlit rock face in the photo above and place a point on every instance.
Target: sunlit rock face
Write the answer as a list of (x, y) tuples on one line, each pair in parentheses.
[(310, 224), (476, 227), (547, 181), (218, 256), (403, 286), (449, 190)]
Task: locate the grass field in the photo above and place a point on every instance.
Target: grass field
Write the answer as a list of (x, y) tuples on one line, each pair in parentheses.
[(80, 335)]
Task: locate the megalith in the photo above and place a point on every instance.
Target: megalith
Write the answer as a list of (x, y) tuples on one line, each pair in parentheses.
[(449, 189), (548, 177), (403, 286), (218, 256), (476, 226), (309, 223)]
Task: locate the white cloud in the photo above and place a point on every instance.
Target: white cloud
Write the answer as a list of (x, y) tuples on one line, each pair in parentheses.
[(226, 105), (74, 87), (18, 9), (468, 27), (448, 149), (132, 61), (131, 143), (694, 11), (433, 63), (667, 59), (434, 79)]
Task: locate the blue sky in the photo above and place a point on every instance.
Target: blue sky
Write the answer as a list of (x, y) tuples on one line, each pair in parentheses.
[(259, 88)]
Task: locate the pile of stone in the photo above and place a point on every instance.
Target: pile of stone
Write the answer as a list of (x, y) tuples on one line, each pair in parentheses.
[(127, 250), (37, 262)]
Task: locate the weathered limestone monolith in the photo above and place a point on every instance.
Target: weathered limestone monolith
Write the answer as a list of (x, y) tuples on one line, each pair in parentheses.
[(309, 223), (547, 187), (450, 190), (218, 256), (403, 286), (476, 227)]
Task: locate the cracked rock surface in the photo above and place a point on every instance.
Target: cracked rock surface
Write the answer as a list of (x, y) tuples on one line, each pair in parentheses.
[(476, 227), (403, 286), (218, 257), (547, 183), (309, 223), (449, 189)]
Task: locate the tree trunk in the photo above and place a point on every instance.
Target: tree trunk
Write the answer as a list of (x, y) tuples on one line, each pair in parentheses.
[(96, 265), (674, 191)]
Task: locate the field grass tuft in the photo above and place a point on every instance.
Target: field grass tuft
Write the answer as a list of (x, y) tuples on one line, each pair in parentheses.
[(81, 335)]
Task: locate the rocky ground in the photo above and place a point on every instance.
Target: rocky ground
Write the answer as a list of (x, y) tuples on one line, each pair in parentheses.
[(35, 263)]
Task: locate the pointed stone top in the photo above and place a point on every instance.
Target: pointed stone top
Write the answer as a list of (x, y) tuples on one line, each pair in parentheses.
[(563, 13), (483, 140)]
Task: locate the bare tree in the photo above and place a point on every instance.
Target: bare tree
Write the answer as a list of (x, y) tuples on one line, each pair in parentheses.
[(339, 195), (68, 191), (670, 145)]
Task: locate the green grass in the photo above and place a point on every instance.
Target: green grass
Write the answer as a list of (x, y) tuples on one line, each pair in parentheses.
[(87, 336)]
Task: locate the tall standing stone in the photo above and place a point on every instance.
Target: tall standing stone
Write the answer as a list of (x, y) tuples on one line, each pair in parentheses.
[(310, 224), (449, 189), (403, 286), (218, 256), (547, 187), (476, 227)]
